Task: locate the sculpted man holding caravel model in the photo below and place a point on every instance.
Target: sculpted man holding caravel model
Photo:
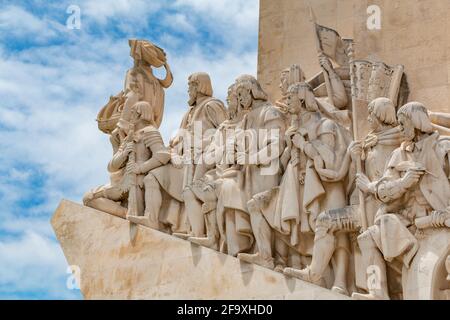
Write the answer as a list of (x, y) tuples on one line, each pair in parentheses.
[(340, 182)]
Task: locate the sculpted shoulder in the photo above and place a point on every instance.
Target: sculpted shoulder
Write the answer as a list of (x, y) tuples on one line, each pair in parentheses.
[(327, 126), (216, 105), (396, 158), (216, 111), (272, 113)]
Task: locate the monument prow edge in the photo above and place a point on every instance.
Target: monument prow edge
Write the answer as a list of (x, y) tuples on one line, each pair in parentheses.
[(161, 266)]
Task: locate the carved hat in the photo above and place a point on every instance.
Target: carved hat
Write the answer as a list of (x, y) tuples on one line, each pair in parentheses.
[(148, 52), (203, 82), (250, 83), (418, 114)]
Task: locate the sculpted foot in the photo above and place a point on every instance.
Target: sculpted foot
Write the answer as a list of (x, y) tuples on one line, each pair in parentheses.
[(143, 220), (340, 290), (205, 242), (256, 258), (279, 268), (368, 296), (305, 275), (183, 236)]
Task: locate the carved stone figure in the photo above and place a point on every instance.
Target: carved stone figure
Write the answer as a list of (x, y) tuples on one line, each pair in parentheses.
[(226, 224), (325, 144), (281, 206), (283, 185), (288, 76), (174, 180), (114, 118), (263, 143), (140, 151), (142, 85), (416, 192), (376, 149), (336, 89)]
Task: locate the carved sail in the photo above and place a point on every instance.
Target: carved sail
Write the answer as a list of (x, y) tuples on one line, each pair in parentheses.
[(109, 115)]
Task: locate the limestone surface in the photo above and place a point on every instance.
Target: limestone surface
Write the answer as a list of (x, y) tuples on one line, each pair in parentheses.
[(160, 266)]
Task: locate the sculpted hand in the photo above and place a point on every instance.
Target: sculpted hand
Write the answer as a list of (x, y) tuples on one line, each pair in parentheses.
[(411, 178), (301, 177), (135, 168), (438, 219), (299, 141), (355, 150), (176, 161), (371, 140), (364, 184), (325, 62), (129, 147), (290, 132), (309, 150), (174, 141), (288, 136)]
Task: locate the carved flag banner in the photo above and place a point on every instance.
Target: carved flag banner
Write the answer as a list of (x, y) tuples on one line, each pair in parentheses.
[(332, 45), (375, 80)]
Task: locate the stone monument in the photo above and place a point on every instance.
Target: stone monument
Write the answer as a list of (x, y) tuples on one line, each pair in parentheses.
[(323, 178)]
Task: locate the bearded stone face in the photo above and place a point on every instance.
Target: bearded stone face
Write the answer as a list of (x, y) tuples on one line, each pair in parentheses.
[(406, 127), (232, 102), (192, 91), (244, 97)]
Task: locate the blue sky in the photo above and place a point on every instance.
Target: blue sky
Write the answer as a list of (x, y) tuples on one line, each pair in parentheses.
[(54, 80)]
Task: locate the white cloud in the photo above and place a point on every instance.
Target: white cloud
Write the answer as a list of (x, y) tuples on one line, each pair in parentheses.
[(50, 99), (236, 21), (179, 22), (18, 23), (33, 264), (134, 11)]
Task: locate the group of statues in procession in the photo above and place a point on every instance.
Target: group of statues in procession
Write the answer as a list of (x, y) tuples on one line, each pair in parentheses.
[(280, 184)]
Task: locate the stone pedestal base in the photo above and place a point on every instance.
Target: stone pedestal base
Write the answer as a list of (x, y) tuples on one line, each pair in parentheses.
[(159, 266)]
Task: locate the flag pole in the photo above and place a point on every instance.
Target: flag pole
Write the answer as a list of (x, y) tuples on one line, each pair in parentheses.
[(362, 204), (319, 50)]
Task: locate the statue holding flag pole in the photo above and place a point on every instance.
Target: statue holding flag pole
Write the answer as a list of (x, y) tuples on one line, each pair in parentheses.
[(332, 224), (329, 45)]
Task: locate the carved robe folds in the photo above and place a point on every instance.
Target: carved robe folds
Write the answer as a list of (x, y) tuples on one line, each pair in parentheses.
[(394, 223)]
